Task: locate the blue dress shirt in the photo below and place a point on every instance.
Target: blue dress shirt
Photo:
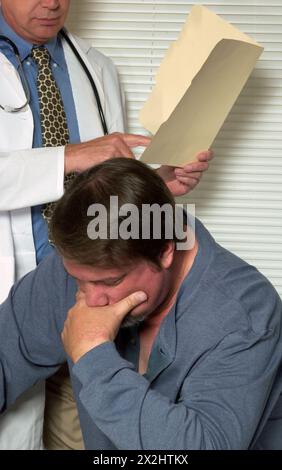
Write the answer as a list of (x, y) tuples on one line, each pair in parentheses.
[(60, 73)]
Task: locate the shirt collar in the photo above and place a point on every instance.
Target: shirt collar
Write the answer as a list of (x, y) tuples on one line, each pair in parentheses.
[(54, 46), (55, 49)]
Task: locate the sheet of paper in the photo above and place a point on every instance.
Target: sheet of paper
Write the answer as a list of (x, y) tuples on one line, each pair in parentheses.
[(197, 84)]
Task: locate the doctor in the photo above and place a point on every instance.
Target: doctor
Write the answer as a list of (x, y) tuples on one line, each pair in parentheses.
[(32, 173)]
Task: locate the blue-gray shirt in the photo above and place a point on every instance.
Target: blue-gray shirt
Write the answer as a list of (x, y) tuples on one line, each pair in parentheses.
[(60, 73), (214, 374)]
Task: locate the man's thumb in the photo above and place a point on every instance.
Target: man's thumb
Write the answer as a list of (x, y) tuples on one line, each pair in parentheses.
[(128, 303)]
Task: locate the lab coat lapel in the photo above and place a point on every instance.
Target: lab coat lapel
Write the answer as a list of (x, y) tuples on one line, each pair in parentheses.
[(16, 129), (87, 111), (11, 90)]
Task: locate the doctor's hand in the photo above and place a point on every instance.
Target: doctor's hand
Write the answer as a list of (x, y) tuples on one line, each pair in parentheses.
[(181, 180), (80, 157), (88, 327)]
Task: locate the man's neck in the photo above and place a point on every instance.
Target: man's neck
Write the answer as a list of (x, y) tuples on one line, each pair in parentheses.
[(181, 266)]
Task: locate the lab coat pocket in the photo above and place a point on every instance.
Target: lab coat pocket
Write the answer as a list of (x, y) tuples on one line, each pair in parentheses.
[(16, 130)]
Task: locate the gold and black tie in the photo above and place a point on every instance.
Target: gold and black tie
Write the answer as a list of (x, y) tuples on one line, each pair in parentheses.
[(54, 127)]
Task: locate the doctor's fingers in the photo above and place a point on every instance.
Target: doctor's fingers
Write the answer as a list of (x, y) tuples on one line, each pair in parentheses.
[(188, 174), (188, 184), (109, 146), (189, 181), (118, 145), (120, 149), (123, 143), (205, 156), (192, 169), (136, 140)]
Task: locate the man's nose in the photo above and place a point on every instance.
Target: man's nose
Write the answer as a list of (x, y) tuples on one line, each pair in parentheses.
[(95, 296), (51, 4)]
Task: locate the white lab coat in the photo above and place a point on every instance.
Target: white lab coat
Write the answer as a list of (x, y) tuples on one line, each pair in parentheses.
[(33, 176)]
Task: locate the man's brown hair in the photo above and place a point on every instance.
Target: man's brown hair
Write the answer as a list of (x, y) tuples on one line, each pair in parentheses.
[(133, 183)]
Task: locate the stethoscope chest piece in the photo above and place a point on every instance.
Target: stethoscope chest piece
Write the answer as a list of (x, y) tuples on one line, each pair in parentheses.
[(11, 109)]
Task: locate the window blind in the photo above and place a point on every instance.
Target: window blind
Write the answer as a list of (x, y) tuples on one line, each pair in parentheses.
[(240, 198)]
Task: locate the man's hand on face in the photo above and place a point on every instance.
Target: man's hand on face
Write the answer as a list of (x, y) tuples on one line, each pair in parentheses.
[(88, 327)]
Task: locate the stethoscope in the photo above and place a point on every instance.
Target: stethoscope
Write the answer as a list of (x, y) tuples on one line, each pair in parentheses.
[(9, 109)]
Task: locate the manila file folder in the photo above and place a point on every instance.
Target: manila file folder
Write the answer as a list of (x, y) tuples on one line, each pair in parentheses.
[(198, 82)]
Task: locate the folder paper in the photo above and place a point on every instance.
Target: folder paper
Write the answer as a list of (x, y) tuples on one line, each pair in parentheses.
[(198, 82)]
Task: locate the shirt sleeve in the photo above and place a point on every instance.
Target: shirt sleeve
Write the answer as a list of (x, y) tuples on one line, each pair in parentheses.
[(31, 320), (219, 405)]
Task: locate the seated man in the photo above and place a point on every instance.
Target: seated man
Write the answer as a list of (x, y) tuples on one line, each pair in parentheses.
[(167, 348)]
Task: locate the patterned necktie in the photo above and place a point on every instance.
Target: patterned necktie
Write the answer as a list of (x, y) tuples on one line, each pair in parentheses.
[(54, 127)]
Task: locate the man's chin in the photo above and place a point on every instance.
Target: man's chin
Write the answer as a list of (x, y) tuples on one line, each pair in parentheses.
[(133, 320)]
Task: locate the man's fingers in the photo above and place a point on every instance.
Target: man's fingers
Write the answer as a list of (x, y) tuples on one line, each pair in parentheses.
[(193, 167), (124, 150), (122, 143), (135, 140), (186, 174), (205, 156), (79, 295), (191, 182), (124, 306)]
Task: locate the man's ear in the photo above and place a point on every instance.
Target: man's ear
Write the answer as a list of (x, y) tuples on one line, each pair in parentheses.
[(167, 255)]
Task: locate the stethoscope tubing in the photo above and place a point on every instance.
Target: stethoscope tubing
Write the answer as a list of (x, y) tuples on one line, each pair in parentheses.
[(90, 78), (83, 65)]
